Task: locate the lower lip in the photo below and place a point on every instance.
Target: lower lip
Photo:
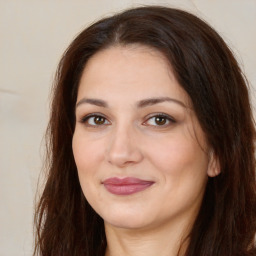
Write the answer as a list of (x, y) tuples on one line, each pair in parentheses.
[(126, 189)]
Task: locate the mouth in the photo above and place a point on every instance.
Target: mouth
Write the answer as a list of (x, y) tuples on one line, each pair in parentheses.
[(126, 186)]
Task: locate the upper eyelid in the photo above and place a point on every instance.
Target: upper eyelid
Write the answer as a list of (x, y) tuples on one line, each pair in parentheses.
[(92, 115), (160, 114)]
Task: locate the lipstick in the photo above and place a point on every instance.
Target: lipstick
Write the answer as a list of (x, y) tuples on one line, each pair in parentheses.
[(126, 186)]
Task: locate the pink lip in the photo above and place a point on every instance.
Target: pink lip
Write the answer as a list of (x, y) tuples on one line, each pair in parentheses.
[(126, 186)]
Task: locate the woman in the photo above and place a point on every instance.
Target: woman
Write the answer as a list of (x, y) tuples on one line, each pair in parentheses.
[(151, 143)]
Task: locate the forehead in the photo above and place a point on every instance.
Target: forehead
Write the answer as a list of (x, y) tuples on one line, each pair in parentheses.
[(122, 70)]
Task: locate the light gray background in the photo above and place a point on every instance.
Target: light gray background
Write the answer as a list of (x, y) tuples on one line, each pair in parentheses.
[(33, 35)]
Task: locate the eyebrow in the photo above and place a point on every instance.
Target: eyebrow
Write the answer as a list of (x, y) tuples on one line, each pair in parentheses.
[(139, 104), (97, 102), (153, 101)]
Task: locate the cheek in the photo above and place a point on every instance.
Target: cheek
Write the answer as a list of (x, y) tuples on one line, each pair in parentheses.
[(176, 151), (181, 162), (87, 153), (88, 157), (182, 167)]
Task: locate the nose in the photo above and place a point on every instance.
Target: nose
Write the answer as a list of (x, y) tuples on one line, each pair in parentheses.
[(123, 148)]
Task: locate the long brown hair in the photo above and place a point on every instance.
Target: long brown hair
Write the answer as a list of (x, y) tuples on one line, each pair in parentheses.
[(207, 70)]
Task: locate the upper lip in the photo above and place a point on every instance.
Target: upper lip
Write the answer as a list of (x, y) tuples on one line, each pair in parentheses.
[(125, 181)]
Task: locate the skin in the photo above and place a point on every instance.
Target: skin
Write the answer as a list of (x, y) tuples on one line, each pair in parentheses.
[(118, 85)]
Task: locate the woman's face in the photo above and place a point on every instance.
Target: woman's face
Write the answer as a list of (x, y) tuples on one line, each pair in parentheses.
[(141, 155)]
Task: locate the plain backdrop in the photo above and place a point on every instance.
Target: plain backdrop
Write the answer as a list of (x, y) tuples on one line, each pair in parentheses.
[(33, 36)]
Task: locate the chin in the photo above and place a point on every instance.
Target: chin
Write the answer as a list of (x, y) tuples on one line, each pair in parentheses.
[(126, 220), (124, 223)]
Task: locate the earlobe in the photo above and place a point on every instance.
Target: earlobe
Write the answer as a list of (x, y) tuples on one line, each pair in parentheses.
[(213, 165)]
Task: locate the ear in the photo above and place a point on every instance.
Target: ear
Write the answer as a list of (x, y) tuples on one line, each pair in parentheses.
[(213, 165)]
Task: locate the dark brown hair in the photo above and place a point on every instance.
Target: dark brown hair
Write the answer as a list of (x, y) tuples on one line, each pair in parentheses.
[(207, 70)]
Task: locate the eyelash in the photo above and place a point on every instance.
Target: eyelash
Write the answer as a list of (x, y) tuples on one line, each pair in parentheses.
[(170, 120), (167, 119), (86, 118)]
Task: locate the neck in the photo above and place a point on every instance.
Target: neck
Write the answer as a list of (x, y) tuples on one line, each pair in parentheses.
[(169, 240)]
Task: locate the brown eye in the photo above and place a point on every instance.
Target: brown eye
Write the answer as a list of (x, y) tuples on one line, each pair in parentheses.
[(160, 120), (95, 120), (99, 120)]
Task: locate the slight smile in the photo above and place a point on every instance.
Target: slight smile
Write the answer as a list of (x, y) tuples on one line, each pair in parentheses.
[(126, 186)]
